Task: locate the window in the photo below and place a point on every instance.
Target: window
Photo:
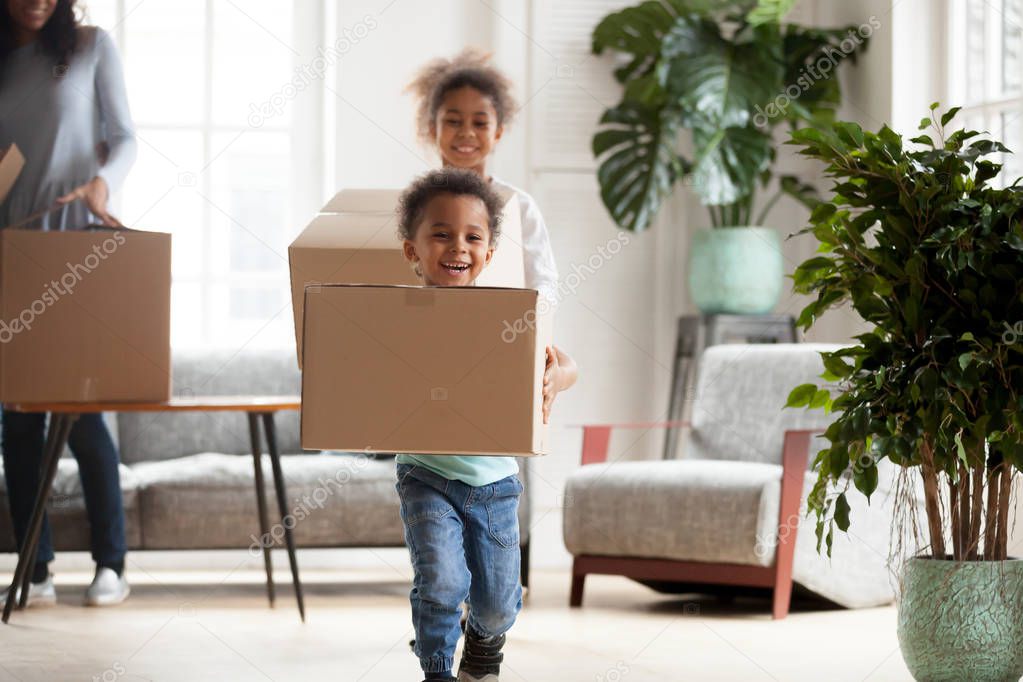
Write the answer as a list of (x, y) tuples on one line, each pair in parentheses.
[(208, 84), (986, 72)]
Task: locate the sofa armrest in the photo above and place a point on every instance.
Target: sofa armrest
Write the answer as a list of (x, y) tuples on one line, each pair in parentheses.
[(597, 437)]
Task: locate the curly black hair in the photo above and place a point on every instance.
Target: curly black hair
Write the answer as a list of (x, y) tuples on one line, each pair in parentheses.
[(58, 38), (469, 68), (456, 181)]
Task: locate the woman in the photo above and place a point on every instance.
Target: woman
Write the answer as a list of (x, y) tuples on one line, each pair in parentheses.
[(63, 102)]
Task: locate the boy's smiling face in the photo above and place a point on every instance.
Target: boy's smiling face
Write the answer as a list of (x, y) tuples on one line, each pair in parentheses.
[(451, 243)]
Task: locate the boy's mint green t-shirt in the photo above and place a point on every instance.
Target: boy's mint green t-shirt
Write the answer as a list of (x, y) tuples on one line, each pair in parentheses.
[(474, 470)]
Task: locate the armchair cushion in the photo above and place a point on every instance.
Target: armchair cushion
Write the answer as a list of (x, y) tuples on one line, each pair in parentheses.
[(711, 511)]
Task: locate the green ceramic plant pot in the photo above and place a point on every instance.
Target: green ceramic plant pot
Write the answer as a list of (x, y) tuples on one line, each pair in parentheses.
[(736, 270), (962, 621)]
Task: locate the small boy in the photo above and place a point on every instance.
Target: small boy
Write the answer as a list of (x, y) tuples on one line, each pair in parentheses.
[(461, 513)]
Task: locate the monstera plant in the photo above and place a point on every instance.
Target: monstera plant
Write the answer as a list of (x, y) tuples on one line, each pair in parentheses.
[(726, 74), (930, 254)]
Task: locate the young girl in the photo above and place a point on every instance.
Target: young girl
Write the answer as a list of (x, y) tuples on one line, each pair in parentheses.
[(464, 106), (461, 513)]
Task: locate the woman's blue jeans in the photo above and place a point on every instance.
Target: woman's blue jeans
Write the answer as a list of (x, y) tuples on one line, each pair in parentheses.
[(23, 434), (464, 544)]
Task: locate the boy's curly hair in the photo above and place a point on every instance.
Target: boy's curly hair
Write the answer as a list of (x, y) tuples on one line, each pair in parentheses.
[(471, 67), (456, 181)]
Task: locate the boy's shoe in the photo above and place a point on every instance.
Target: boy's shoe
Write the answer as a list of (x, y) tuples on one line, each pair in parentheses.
[(481, 658), (39, 594), (107, 588)]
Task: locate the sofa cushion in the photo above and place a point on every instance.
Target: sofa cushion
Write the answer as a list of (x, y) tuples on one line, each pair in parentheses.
[(712, 511), (147, 436), (208, 501), (739, 408), (69, 523)]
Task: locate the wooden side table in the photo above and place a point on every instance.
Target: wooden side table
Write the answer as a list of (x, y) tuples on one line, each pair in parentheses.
[(698, 332), (256, 408)]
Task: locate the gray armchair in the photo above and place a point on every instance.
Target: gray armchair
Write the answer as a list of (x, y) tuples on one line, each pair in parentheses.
[(729, 513)]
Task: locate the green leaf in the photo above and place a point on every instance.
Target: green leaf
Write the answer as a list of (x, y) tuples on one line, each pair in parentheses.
[(638, 164), (964, 360), (769, 11), (842, 512), (960, 449), (949, 115), (801, 395), (820, 399), (803, 192), (719, 82), (728, 163), (839, 460), (636, 32), (865, 479)]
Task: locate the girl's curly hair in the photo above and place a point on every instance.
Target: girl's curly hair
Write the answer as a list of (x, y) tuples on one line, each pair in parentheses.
[(471, 67)]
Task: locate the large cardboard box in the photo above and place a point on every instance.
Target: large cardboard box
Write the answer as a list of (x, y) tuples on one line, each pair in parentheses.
[(84, 316), (11, 163), (433, 370), (355, 241)]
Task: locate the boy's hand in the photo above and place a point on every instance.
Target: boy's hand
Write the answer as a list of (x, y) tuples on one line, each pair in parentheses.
[(550, 384)]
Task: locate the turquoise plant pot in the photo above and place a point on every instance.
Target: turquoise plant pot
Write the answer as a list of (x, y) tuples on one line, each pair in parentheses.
[(962, 621), (736, 270)]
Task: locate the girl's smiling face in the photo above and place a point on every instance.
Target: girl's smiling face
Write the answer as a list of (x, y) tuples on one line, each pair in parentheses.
[(465, 129), (451, 244)]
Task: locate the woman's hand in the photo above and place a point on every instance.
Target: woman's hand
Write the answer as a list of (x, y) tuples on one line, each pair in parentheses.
[(95, 195)]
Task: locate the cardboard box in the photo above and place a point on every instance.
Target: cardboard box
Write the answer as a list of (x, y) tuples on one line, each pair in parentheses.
[(84, 316), (432, 370), (363, 201), (11, 163), (358, 243)]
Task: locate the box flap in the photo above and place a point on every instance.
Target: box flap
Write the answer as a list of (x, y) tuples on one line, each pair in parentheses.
[(363, 201)]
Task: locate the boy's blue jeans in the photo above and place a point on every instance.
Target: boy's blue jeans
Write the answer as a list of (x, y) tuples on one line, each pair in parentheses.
[(464, 543)]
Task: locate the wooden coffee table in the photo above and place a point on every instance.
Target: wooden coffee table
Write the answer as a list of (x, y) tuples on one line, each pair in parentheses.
[(256, 409)]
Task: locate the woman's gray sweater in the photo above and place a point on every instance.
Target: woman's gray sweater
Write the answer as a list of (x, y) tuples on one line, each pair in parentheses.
[(58, 118)]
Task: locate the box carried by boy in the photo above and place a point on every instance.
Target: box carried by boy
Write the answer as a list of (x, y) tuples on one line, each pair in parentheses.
[(424, 370)]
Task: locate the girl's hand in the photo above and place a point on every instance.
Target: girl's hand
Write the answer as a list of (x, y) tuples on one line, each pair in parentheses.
[(95, 194), (550, 381)]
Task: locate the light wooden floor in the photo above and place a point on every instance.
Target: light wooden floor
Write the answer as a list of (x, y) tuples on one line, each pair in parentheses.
[(195, 626)]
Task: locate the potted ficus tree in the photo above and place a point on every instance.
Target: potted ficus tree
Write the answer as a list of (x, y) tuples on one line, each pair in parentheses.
[(726, 73), (928, 252)]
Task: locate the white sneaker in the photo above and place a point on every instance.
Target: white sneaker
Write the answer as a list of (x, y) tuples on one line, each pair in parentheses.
[(107, 588), (39, 594)]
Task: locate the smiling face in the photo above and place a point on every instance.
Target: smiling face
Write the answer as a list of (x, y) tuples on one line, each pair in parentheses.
[(29, 16), (451, 244), (466, 128)]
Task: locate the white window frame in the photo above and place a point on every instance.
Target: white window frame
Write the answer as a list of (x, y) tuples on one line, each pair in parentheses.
[(993, 103), (309, 127)]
